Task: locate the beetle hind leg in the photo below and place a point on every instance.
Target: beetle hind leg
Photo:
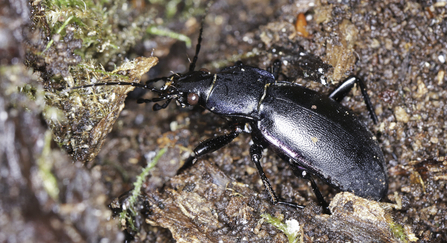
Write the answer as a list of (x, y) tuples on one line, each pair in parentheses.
[(256, 154), (341, 91), (320, 197), (306, 175)]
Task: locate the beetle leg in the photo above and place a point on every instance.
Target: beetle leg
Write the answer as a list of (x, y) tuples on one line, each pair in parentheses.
[(275, 69), (256, 154), (208, 146), (341, 91), (317, 192)]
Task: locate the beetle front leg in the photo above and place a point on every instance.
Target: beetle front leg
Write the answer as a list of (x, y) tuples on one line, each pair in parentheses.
[(341, 91), (208, 146), (256, 155)]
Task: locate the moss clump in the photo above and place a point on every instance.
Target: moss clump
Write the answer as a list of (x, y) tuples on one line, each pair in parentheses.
[(102, 26), (291, 228)]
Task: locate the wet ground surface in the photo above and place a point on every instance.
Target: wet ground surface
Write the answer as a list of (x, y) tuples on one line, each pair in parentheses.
[(397, 47)]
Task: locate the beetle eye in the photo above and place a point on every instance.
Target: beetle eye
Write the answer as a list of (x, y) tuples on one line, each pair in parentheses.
[(193, 99)]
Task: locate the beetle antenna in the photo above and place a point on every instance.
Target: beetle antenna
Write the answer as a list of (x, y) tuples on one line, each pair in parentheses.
[(165, 79), (192, 66), (143, 86)]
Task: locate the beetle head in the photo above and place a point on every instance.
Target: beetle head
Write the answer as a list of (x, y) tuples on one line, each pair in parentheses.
[(187, 89)]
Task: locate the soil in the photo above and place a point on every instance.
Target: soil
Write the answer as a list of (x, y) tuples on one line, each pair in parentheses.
[(397, 47)]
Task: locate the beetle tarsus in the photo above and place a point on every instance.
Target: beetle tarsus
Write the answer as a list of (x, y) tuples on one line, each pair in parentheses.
[(188, 163), (290, 204)]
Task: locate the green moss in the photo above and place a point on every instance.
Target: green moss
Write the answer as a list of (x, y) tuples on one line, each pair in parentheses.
[(109, 28), (129, 214), (155, 30), (398, 232), (83, 36), (45, 166), (99, 24), (291, 228), (401, 233)]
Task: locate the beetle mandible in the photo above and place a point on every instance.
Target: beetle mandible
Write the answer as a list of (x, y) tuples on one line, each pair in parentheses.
[(313, 132)]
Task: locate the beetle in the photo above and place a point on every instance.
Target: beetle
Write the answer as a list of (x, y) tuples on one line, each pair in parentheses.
[(313, 132)]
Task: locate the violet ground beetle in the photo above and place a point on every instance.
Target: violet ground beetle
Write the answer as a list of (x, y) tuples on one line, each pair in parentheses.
[(313, 132)]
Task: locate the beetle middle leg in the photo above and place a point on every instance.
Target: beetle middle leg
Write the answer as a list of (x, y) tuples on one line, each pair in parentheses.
[(343, 89)]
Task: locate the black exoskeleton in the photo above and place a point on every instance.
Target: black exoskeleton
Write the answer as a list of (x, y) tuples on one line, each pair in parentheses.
[(313, 132)]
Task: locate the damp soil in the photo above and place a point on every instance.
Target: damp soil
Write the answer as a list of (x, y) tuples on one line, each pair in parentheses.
[(396, 47)]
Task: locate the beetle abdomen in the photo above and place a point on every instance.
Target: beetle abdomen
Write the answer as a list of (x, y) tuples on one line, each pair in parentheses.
[(324, 137)]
